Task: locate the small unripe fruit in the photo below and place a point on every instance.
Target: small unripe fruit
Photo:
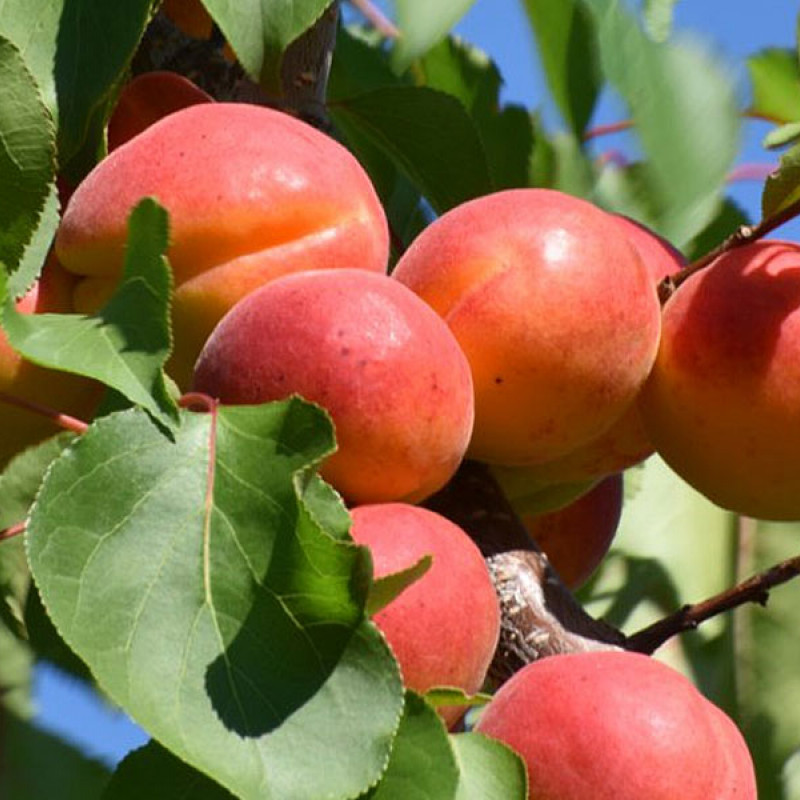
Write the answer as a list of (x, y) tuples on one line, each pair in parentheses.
[(368, 350), (444, 628)]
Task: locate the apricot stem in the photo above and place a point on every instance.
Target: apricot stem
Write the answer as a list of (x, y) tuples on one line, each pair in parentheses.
[(753, 590), (12, 530), (64, 421)]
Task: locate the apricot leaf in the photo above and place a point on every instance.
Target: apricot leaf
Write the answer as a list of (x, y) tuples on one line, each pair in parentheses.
[(489, 769), (387, 588), (774, 76), (259, 31), (767, 652), (77, 52), (568, 50), (422, 24), (33, 257), (127, 342), (453, 696), (211, 604), (684, 109), (427, 134), (658, 15), (782, 188), (782, 135), (154, 773), (27, 155)]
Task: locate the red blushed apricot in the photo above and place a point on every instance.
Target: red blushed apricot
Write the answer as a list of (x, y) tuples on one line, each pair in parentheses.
[(554, 309), (444, 628), (364, 347), (617, 726), (59, 391), (722, 404), (148, 98), (252, 194), (576, 538)]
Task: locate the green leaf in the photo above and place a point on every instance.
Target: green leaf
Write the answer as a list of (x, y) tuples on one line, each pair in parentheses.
[(684, 111), (209, 602), (767, 654), (427, 134), (453, 696), (154, 773), (729, 219), (423, 763), (127, 342), (775, 79), (422, 24), (489, 769), (16, 676), (782, 187), (658, 16), (78, 51), (27, 154), (387, 588), (38, 765), (783, 135), (568, 50), (259, 31)]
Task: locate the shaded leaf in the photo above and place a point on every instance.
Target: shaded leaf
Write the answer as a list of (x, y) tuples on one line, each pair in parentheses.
[(783, 135), (259, 31), (427, 134), (658, 16), (387, 588), (775, 79), (27, 155), (568, 50), (78, 51), (489, 769), (127, 342), (684, 111), (422, 24), (453, 696), (782, 187), (154, 773), (210, 603), (729, 218)]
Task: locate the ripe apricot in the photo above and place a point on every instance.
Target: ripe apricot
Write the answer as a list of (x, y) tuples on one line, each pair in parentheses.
[(610, 725), (367, 349), (722, 404), (443, 628), (252, 194), (555, 310)]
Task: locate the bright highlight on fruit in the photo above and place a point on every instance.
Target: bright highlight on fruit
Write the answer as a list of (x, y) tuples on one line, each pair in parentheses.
[(252, 194), (368, 350)]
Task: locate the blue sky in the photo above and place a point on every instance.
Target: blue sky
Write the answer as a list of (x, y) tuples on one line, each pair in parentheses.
[(731, 27)]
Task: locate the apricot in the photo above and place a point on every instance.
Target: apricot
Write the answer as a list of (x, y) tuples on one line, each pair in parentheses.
[(555, 310), (626, 442), (576, 538), (443, 628), (722, 404), (367, 349), (24, 380), (190, 16), (613, 725), (252, 194), (148, 98)]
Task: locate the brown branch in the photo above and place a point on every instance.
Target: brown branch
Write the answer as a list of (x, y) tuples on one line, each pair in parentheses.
[(746, 234), (64, 421), (753, 590), (12, 530), (376, 18)]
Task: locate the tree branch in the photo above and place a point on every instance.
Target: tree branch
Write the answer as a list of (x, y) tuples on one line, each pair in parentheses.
[(64, 421)]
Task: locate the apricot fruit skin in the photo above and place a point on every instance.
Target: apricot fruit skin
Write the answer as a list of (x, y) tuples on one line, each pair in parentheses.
[(617, 726), (368, 350), (443, 628), (555, 310), (576, 538), (252, 194), (722, 404), (60, 391)]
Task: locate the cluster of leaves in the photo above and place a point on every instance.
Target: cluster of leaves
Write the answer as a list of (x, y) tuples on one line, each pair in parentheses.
[(192, 565)]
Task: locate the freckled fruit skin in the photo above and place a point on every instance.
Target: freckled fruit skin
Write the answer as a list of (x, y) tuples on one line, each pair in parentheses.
[(722, 405), (555, 310), (252, 194), (576, 538), (618, 726), (369, 351), (444, 628), (148, 98), (60, 391)]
